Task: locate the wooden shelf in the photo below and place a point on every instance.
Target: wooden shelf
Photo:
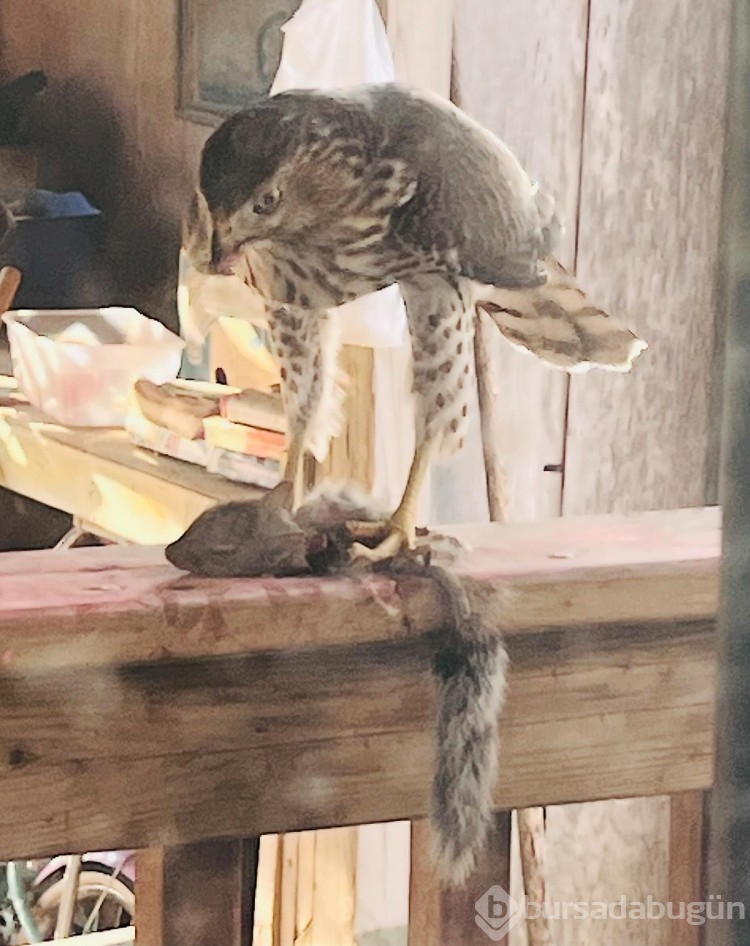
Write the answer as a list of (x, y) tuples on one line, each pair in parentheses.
[(101, 477)]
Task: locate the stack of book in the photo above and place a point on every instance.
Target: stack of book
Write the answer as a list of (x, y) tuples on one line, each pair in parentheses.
[(238, 434), (248, 438)]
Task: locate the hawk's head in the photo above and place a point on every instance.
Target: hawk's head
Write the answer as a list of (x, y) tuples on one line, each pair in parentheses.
[(265, 174), (243, 171), (283, 170)]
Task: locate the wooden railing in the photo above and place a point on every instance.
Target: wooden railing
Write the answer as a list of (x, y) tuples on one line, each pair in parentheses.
[(144, 707)]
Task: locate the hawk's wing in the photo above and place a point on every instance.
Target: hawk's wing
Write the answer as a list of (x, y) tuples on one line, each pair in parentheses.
[(474, 206)]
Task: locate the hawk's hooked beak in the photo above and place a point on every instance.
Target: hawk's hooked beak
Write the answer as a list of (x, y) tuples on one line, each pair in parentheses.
[(201, 240), (198, 234), (220, 262)]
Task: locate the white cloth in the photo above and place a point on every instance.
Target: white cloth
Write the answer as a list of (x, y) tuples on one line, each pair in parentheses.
[(331, 44)]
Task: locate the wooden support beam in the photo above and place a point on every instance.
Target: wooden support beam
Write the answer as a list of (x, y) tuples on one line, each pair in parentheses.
[(440, 915), (729, 842), (351, 455), (687, 860), (142, 707), (197, 894), (646, 568)]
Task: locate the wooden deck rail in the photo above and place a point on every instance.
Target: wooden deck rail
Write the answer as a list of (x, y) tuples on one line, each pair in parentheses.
[(141, 706)]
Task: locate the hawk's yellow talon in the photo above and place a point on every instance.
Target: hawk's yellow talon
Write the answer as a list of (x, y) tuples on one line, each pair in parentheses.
[(389, 548)]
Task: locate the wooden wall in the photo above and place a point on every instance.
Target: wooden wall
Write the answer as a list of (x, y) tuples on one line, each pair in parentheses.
[(107, 126), (653, 146), (617, 107), (527, 86)]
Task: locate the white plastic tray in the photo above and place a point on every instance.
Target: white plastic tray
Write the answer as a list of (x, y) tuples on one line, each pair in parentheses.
[(78, 365)]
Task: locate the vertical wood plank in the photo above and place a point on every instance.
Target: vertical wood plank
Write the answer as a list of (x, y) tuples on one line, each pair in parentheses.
[(334, 885), (648, 244), (424, 893), (285, 930), (196, 894), (687, 851), (269, 869), (351, 456), (526, 85), (316, 893), (305, 887), (647, 247), (441, 916), (421, 37), (149, 895), (599, 852)]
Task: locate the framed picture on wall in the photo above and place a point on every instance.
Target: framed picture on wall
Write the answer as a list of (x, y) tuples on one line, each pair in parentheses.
[(229, 51)]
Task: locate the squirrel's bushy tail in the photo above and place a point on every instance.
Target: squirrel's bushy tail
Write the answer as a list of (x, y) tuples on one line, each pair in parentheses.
[(470, 669)]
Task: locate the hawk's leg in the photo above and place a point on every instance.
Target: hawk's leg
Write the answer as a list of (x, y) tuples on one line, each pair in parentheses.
[(441, 316), (307, 344)]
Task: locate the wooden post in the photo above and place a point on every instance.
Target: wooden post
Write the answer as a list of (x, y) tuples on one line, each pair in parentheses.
[(488, 392), (730, 827), (686, 861), (196, 894), (530, 820), (351, 454), (531, 839), (440, 916), (316, 884)]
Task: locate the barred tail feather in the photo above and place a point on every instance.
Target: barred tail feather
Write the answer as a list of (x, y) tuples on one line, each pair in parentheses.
[(560, 324), (471, 672)]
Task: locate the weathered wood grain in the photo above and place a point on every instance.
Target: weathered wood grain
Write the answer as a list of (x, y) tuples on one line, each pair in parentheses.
[(600, 851), (274, 699), (420, 36), (609, 713), (112, 606), (440, 915), (196, 895), (687, 860), (519, 70), (648, 245), (109, 126)]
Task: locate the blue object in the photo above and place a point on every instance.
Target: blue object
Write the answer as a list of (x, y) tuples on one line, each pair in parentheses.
[(54, 245)]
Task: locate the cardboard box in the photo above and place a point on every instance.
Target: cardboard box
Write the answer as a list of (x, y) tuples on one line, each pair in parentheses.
[(238, 349)]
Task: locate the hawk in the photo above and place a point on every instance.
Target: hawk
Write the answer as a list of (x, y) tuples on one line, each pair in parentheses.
[(321, 197)]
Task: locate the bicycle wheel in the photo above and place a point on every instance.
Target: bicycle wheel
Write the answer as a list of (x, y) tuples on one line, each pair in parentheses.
[(103, 901)]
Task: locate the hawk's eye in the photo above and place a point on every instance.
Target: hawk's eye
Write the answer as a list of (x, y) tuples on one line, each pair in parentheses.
[(267, 202)]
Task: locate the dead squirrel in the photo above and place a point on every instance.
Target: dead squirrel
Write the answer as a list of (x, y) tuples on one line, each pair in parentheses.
[(263, 537)]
